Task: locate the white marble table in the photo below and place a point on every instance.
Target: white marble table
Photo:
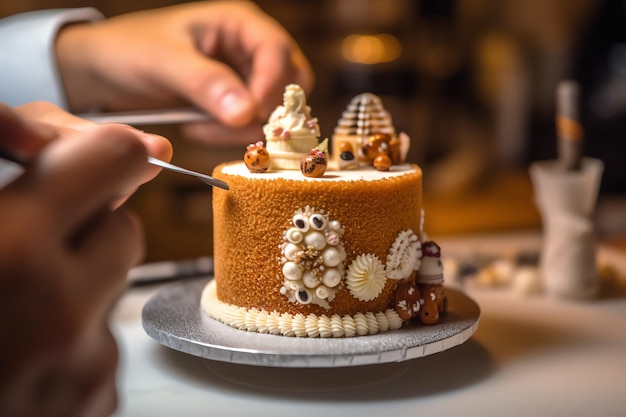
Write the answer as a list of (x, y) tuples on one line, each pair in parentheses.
[(531, 356)]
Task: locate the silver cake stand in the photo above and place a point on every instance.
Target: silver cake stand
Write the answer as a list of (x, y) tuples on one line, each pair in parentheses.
[(173, 317)]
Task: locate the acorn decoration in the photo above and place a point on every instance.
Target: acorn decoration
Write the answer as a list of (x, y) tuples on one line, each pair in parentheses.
[(257, 158), (382, 162), (315, 163)]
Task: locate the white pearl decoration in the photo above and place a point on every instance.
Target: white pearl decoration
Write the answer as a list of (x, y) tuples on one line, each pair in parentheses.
[(292, 271), (315, 240), (332, 257)]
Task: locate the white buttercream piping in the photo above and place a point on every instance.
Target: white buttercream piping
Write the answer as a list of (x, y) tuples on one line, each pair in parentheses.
[(366, 277), (299, 325)]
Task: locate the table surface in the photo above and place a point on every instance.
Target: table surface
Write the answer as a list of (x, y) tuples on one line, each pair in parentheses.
[(531, 355)]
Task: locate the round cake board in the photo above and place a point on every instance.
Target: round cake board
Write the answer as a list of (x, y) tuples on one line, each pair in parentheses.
[(173, 317)]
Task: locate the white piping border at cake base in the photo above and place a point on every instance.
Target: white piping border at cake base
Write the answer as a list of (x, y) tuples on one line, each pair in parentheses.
[(299, 325)]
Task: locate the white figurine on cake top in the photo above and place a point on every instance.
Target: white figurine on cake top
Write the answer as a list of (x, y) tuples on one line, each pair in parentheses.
[(291, 131)]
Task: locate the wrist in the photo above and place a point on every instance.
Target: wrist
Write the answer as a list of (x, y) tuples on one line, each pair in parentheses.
[(72, 56)]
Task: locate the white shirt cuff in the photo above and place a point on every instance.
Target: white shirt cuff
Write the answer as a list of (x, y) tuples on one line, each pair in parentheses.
[(28, 67)]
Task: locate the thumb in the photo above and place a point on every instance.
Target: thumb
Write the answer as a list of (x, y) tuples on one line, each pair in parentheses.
[(211, 85)]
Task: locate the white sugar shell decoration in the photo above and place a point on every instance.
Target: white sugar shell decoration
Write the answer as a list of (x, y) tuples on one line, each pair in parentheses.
[(312, 258), (366, 277), (404, 256)]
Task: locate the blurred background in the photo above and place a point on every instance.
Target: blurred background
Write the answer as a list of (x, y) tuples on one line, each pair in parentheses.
[(471, 82)]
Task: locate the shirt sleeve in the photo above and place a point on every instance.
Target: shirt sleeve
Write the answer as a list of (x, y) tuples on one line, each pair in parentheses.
[(28, 67)]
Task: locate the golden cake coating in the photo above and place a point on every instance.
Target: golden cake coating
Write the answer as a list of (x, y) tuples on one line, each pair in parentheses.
[(252, 218)]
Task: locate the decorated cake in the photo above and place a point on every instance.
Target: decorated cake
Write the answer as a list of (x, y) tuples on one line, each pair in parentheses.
[(309, 244)]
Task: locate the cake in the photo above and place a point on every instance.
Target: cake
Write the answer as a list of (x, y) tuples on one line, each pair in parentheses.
[(338, 254)]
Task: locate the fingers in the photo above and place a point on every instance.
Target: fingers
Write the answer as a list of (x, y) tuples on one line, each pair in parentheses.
[(55, 117), (274, 60), (20, 138), (211, 85), (231, 60), (108, 247), (60, 124), (94, 365), (286, 66), (276, 65), (78, 381), (158, 147), (81, 175)]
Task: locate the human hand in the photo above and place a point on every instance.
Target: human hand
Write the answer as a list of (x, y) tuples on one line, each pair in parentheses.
[(227, 58), (64, 256)]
